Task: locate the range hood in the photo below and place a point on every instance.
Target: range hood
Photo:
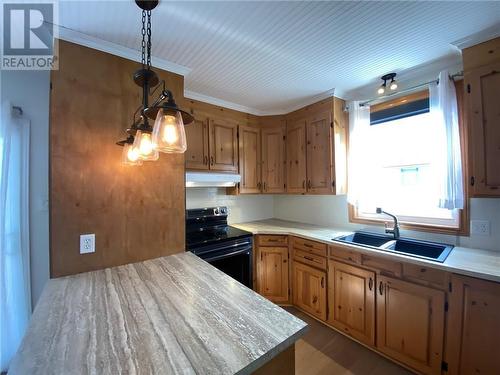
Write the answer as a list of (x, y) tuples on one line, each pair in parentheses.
[(205, 179)]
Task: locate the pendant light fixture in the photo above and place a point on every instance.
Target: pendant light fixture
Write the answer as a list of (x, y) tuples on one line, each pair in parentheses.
[(392, 84), (144, 142)]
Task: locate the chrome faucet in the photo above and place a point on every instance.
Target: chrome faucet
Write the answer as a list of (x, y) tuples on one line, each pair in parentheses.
[(395, 228)]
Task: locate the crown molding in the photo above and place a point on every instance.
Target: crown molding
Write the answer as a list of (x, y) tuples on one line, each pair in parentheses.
[(479, 37), (86, 40)]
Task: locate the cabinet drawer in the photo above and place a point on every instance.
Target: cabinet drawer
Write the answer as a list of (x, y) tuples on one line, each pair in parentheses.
[(309, 246), (426, 275), (272, 240), (384, 266), (310, 259), (343, 253)]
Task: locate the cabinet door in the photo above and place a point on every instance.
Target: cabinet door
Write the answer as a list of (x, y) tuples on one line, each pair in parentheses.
[(473, 327), (296, 157), (273, 160), (272, 273), (249, 159), (223, 146), (410, 324), (320, 154), (309, 289), (351, 300), (197, 144), (483, 91)]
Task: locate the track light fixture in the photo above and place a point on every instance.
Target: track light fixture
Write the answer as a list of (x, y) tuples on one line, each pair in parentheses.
[(167, 135), (392, 84)]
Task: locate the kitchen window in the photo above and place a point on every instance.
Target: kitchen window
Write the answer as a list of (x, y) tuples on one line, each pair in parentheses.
[(398, 165)]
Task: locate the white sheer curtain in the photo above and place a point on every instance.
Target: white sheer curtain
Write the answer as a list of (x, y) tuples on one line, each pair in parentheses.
[(359, 167), (443, 108), (15, 294)]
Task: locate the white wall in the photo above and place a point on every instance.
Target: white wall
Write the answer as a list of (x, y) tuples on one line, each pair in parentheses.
[(332, 211), (241, 208), (30, 91)]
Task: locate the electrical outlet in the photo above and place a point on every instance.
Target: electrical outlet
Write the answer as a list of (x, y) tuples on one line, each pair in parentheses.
[(87, 243), (480, 227)]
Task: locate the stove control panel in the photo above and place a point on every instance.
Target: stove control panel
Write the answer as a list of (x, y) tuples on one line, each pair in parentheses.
[(220, 211)]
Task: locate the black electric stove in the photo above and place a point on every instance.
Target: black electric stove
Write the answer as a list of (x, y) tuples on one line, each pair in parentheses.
[(225, 247)]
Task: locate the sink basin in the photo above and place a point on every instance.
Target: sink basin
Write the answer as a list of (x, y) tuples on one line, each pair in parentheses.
[(422, 249), (364, 238)]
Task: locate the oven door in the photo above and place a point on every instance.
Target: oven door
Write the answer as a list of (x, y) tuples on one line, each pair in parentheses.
[(234, 258)]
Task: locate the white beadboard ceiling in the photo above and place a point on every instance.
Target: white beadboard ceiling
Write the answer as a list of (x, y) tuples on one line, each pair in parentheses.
[(270, 57)]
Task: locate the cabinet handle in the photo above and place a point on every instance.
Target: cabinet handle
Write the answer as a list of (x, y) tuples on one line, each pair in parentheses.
[(265, 188), (259, 185), (261, 256), (370, 284), (309, 184), (322, 282), (303, 184), (211, 160), (205, 160), (308, 245), (381, 288), (472, 181), (309, 258)]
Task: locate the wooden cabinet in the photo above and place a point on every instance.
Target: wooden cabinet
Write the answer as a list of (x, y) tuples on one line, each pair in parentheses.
[(319, 155), (249, 159), (223, 136), (482, 93), (473, 327), (296, 157), (273, 160), (197, 145), (410, 324), (351, 301), (272, 273), (309, 289)]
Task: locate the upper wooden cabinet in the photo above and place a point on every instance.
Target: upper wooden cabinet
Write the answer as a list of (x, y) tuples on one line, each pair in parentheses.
[(296, 170), (316, 148), (250, 159), (482, 90), (319, 155), (410, 324), (351, 301), (197, 145), (473, 327), (223, 137), (273, 160)]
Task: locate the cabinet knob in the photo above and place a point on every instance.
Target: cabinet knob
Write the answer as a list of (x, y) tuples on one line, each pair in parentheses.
[(370, 284), (211, 160), (381, 288)]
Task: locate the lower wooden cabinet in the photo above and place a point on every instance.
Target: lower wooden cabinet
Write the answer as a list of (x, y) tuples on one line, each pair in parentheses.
[(351, 301), (272, 273), (309, 289), (410, 324), (473, 327)]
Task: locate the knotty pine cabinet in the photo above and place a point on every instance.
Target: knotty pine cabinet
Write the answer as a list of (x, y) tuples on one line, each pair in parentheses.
[(197, 156), (309, 289), (473, 327), (410, 323), (351, 301), (273, 159), (250, 159), (272, 268), (296, 168), (482, 90)]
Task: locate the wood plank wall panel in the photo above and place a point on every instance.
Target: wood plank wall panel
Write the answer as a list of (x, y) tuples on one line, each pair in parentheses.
[(137, 213)]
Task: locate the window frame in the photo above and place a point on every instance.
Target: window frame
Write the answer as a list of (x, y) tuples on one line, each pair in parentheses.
[(463, 215)]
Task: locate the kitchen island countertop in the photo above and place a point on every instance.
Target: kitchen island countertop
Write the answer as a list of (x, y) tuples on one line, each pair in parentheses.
[(170, 315)]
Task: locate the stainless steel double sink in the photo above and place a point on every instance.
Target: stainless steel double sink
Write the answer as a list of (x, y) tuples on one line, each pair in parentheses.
[(415, 248)]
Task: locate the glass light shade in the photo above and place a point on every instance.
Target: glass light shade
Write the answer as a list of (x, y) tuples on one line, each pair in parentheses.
[(130, 155), (168, 132), (381, 89), (393, 86), (145, 146)]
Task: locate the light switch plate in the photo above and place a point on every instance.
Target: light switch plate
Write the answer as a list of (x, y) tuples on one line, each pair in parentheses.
[(480, 227), (87, 243)]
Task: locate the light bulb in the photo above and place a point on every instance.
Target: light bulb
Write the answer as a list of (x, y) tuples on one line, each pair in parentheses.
[(393, 86), (144, 146), (130, 155), (168, 132), (381, 89)]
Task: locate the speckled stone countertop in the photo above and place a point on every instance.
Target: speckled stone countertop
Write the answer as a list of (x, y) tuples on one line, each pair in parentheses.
[(484, 264), (171, 315)]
